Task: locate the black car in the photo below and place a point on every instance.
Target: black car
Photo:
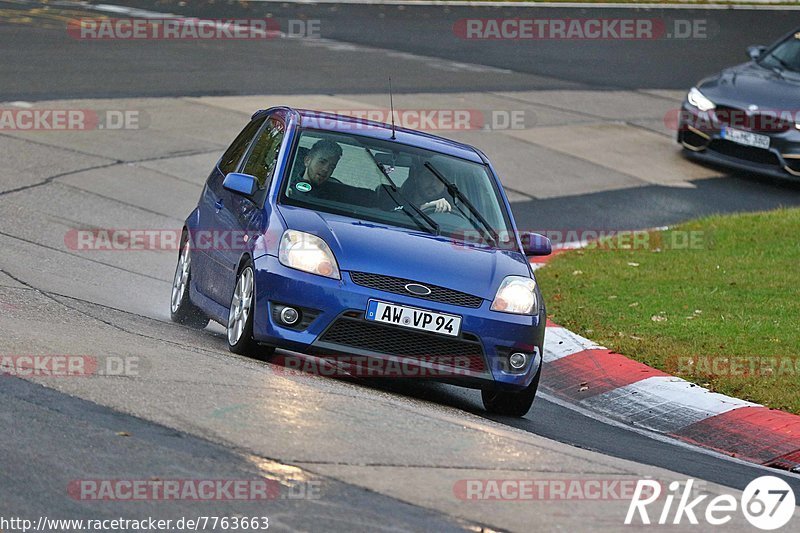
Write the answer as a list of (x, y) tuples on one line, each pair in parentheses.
[(748, 116)]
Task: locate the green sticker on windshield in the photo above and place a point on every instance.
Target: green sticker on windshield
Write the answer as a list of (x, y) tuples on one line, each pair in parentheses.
[(303, 186)]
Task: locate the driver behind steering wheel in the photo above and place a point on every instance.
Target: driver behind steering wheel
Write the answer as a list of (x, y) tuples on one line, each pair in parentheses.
[(426, 191)]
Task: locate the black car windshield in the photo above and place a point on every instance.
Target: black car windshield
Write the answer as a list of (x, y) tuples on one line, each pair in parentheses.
[(785, 56), (391, 183)]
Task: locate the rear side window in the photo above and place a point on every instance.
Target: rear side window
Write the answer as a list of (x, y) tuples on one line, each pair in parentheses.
[(230, 159)]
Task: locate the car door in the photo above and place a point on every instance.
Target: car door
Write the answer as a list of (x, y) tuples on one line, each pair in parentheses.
[(209, 269), (246, 215)]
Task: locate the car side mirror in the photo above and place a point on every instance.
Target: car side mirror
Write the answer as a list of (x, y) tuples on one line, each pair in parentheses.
[(535, 244), (244, 184), (754, 52)]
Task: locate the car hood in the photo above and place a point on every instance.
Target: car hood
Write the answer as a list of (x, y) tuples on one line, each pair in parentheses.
[(751, 84), (376, 248)]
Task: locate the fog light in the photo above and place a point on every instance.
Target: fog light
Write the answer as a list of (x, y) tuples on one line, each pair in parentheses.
[(290, 316), (517, 360)]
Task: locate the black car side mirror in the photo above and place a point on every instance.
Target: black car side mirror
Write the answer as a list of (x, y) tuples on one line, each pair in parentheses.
[(755, 51), (535, 244)]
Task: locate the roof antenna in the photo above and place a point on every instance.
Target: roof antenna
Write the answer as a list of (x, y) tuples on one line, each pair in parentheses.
[(391, 106)]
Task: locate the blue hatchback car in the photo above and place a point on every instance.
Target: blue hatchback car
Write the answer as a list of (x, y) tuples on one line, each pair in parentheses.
[(332, 235)]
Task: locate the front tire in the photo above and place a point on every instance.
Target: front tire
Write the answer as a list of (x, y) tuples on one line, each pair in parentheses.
[(511, 403), (181, 309), (240, 316)]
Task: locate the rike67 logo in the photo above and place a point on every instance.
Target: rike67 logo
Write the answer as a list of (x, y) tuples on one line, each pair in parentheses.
[(767, 503)]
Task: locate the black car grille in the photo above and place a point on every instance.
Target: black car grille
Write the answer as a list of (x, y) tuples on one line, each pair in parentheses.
[(357, 333), (793, 163), (746, 153), (753, 121), (398, 286), (694, 139)]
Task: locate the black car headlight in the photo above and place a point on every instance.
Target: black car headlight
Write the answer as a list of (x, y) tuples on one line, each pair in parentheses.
[(698, 99)]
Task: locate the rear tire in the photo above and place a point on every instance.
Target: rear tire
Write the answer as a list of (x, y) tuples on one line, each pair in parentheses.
[(181, 309), (240, 316), (511, 403)]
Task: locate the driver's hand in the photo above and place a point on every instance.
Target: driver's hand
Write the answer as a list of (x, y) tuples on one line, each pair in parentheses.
[(438, 206)]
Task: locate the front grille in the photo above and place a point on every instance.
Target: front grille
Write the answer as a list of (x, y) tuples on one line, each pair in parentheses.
[(765, 122), (389, 340), (746, 153), (398, 286)]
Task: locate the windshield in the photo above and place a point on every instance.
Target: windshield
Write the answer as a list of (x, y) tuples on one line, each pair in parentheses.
[(395, 184), (785, 56)]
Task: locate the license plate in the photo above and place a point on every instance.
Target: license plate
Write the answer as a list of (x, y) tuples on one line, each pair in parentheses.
[(411, 317), (745, 138)]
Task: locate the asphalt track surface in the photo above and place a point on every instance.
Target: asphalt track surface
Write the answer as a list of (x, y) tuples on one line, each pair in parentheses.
[(83, 70), (55, 432)]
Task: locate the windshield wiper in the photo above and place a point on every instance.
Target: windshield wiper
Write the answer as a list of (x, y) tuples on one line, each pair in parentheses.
[(781, 62), (778, 71), (455, 193), (397, 196)]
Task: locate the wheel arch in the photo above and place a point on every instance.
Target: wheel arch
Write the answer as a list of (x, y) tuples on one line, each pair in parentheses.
[(243, 260), (184, 232)]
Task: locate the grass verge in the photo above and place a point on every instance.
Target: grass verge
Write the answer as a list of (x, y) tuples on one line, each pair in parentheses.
[(714, 301), (699, 3)]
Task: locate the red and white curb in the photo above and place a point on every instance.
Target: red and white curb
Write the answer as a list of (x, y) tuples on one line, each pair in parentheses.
[(607, 383)]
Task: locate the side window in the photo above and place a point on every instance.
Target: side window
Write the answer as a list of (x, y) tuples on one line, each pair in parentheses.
[(264, 154), (355, 168), (230, 159)]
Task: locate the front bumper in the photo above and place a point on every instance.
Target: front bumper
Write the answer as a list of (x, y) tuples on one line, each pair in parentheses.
[(336, 305), (701, 136)]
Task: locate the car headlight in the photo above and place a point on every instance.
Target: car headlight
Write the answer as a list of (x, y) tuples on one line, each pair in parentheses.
[(516, 295), (308, 253), (697, 99)]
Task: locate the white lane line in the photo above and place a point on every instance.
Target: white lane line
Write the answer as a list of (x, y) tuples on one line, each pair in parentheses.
[(560, 342), (131, 11), (651, 434), (664, 404), (20, 103), (147, 14)]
